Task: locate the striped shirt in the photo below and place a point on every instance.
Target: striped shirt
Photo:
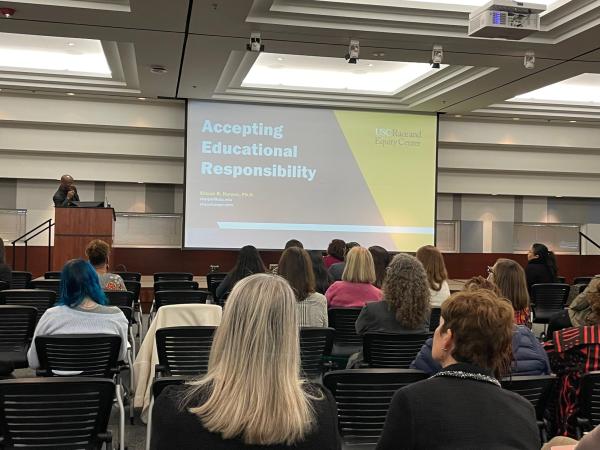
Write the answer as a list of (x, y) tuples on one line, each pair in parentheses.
[(312, 311)]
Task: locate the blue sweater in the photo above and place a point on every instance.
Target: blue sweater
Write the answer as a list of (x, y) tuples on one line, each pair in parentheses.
[(529, 358)]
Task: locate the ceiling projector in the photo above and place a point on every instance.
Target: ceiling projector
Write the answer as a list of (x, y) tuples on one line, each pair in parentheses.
[(505, 19)]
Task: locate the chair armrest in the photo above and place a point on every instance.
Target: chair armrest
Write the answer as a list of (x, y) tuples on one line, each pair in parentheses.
[(41, 373)]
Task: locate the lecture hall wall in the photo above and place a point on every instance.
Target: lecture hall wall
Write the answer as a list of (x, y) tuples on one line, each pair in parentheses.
[(131, 153)]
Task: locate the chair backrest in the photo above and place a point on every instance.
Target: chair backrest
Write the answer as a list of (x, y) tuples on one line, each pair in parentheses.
[(93, 355), (343, 320), (536, 389), (4, 285), (159, 384), (135, 287), (392, 350), (55, 413), (119, 298), (17, 324), (52, 276), (20, 280), (127, 312), (315, 343), (434, 318), (47, 285), (561, 280), (589, 398), (549, 298), (166, 276), (213, 279), (363, 398), (175, 285), (178, 297), (131, 276), (184, 350), (582, 280), (39, 299)]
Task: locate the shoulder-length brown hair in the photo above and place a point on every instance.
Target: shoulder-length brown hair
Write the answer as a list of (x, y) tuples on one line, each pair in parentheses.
[(406, 291), (482, 329), (433, 261), (381, 260), (296, 267), (509, 276)]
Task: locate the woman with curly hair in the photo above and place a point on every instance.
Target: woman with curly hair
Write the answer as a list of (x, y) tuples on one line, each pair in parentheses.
[(405, 308)]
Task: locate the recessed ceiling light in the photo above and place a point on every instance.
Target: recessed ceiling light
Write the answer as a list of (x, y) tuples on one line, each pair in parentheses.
[(558, 196), (70, 93), (280, 59), (572, 121), (71, 44), (457, 115), (516, 118), (328, 74), (140, 182), (370, 65), (581, 89), (378, 54), (141, 98)]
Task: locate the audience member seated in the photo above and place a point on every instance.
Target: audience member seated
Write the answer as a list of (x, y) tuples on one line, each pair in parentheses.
[(322, 278), (381, 260), (296, 267), (573, 352), (437, 275), (248, 263), (252, 396), (336, 270), (579, 313), (293, 243), (529, 357), (464, 406), (405, 305), (97, 253), (81, 310), (541, 266), (356, 288), (509, 276), (335, 253), (5, 270)]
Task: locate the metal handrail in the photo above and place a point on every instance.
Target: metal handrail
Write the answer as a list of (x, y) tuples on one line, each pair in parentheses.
[(588, 239), (47, 224)]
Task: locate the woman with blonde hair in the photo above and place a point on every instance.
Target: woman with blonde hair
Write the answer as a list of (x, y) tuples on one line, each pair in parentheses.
[(356, 287), (437, 275), (252, 395), (405, 305), (509, 276)]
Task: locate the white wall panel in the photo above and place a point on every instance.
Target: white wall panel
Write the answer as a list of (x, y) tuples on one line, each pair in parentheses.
[(497, 209), (535, 209), (126, 197), (445, 206)]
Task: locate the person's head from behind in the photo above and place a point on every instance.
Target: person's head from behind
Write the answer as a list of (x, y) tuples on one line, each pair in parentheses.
[(476, 327), (510, 278), (349, 246), (406, 290), (381, 260), (478, 282), (433, 261), (542, 254), (296, 267), (249, 262), (359, 267), (337, 248), (293, 243), (79, 281), (254, 368), (97, 252)]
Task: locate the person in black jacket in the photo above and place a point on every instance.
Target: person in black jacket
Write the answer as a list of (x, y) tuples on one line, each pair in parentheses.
[(5, 270), (66, 193), (541, 266), (248, 263), (252, 396), (464, 406)]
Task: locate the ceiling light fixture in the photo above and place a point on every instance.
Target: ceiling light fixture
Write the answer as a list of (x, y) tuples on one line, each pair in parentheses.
[(141, 98), (7, 12), (158, 69), (529, 60), (457, 115), (255, 44), (70, 93), (437, 56), (71, 44), (572, 121), (516, 118), (378, 54), (353, 51)]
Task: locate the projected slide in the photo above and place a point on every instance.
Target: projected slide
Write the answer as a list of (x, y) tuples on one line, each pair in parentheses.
[(261, 175)]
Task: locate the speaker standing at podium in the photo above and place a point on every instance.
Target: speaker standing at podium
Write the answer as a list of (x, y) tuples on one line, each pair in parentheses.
[(66, 192)]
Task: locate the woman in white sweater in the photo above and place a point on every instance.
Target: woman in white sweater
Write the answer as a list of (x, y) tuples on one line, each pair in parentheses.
[(433, 261), (81, 309)]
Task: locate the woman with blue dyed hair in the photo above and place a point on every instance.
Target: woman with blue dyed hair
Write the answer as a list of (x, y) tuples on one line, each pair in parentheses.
[(81, 309)]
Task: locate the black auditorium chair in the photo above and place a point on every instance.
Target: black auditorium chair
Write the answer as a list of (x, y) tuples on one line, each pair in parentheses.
[(392, 350), (120, 298), (56, 413), (20, 280), (39, 299), (536, 389), (213, 279), (166, 276), (179, 297), (316, 344), (589, 402), (345, 340), (561, 280), (175, 285), (183, 351), (130, 276), (158, 385), (548, 299), (52, 276), (363, 398), (87, 355), (582, 280), (434, 318), (48, 285), (17, 324), (136, 287), (4, 285)]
